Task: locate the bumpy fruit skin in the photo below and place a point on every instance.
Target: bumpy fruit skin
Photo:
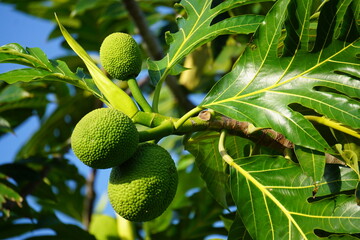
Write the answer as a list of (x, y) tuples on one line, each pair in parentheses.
[(142, 188), (120, 56), (104, 138)]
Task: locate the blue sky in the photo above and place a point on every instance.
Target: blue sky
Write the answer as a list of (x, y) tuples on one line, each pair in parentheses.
[(29, 31)]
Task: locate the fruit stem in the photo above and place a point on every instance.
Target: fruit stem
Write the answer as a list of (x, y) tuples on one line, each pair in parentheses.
[(137, 94), (166, 128), (185, 117)]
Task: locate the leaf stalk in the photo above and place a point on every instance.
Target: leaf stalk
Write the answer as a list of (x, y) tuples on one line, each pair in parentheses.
[(137, 94)]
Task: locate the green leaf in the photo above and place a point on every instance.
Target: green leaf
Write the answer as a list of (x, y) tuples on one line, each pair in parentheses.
[(197, 29), (8, 192), (41, 68), (268, 78), (5, 126), (312, 162), (38, 102), (349, 150), (204, 146), (24, 75), (13, 93), (274, 200), (83, 5), (238, 231), (103, 227), (31, 57)]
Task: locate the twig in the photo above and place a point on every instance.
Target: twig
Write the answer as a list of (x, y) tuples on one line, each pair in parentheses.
[(89, 199), (155, 51)]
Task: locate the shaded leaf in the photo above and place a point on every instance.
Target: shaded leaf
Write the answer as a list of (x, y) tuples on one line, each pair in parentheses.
[(4, 125), (67, 183), (210, 164), (8, 192), (238, 231), (13, 230), (204, 146), (312, 162), (13, 93)]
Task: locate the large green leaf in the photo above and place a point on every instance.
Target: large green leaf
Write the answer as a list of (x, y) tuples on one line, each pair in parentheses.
[(285, 65), (274, 199), (199, 28)]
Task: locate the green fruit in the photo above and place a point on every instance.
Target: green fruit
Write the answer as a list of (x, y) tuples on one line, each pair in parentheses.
[(143, 187), (104, 138), (120, 56)]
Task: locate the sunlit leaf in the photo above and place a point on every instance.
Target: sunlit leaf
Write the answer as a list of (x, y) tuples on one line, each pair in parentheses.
[(197, 29), (274, 199), (103, 227), (41, 68), (267, 79)]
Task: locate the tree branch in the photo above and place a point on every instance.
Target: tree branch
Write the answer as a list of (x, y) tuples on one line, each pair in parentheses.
[(162, 126)]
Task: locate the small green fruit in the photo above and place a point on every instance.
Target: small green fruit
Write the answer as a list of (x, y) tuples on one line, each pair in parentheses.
[(104, 138), (120, 56), (143, 187)]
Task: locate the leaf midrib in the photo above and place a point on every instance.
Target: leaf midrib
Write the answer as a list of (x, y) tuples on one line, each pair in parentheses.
[(236, 97), (266, 192)]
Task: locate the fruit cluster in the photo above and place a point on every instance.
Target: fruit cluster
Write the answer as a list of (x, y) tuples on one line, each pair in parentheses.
[(143, 179)]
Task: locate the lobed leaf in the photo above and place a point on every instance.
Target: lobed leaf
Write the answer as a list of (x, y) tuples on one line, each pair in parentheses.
[(274, 198), (197, 29), (319, 75)]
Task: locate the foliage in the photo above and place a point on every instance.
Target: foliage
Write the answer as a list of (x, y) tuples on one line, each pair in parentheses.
[(272, 149)]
